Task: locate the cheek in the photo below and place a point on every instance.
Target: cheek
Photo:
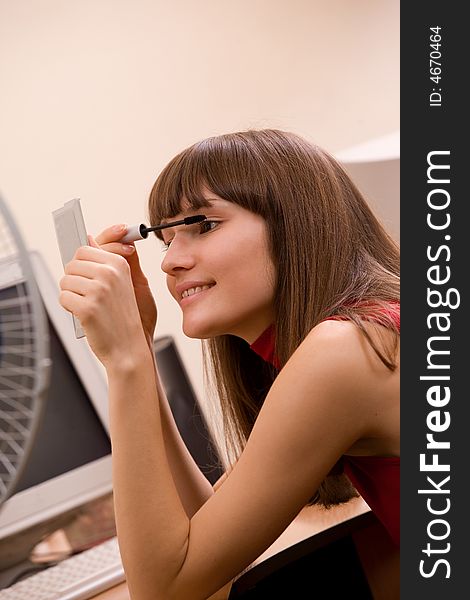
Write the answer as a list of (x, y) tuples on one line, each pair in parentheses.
[(170, 284), (252, 276), (253, 256)]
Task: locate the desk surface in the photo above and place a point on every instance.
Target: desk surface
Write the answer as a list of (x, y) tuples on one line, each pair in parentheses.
[(310, 522)]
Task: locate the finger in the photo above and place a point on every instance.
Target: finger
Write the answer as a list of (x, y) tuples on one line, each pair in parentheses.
[(108, 271), (118, 248), (75, 284), (112, 234), (94, 253), (83, 268), (138, 276), (113, 247), (70, 301), (129, 252), (91, 241)]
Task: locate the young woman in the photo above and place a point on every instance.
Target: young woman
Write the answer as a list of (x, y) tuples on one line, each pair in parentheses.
[(294, 286)]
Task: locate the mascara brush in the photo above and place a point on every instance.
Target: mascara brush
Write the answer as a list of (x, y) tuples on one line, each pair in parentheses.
[(141, 232)]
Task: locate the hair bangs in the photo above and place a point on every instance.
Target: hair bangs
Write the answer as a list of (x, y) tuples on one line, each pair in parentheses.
[(223, 165), (179, 186)]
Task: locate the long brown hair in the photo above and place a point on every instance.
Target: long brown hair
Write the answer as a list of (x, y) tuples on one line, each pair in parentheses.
[(331, 257)]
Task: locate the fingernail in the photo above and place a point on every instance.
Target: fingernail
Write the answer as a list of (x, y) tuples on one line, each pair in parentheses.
[(120, 228), (128, 248)]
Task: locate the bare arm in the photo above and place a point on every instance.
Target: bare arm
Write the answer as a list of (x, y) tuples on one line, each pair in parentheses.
[(332, 393), (193, 487), (245, 515)]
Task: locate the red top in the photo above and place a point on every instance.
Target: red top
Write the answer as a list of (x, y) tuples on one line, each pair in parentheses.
[(376, 478)]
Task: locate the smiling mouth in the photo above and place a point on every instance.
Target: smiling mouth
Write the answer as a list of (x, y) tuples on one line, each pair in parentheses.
[(195, 290)]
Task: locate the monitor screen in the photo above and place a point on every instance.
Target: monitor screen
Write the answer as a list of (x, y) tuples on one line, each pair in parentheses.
[(70, 434), (70, 460)]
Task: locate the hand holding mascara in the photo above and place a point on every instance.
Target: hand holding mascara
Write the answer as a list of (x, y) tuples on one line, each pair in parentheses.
[(141, 232)]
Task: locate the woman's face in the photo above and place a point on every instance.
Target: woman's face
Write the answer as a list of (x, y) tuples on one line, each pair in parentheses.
[(220, 272)]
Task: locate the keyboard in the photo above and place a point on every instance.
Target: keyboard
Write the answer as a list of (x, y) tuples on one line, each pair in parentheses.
[(78, 577)]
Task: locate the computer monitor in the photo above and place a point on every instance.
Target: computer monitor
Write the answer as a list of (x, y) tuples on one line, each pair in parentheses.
[(70, 461), (186, 410)]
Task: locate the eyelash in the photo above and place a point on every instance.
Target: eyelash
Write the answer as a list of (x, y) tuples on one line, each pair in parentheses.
[(201, 227)]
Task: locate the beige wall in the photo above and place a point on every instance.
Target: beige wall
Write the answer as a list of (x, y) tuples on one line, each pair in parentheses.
[(375, 167), (97, 95)]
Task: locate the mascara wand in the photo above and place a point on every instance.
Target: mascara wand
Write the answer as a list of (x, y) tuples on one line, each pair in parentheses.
[(141, 232)]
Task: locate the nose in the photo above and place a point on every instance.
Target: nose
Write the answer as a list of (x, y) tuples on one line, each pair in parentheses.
[(178, 256)]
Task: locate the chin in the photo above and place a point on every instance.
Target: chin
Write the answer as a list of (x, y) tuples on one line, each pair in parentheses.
[(198, 331)]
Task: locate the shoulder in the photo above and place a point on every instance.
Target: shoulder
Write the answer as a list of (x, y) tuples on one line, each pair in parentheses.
[(335, 344), (337, 363)]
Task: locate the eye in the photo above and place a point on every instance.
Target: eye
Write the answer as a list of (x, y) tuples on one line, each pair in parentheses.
[(207, 226), (204, 227)]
